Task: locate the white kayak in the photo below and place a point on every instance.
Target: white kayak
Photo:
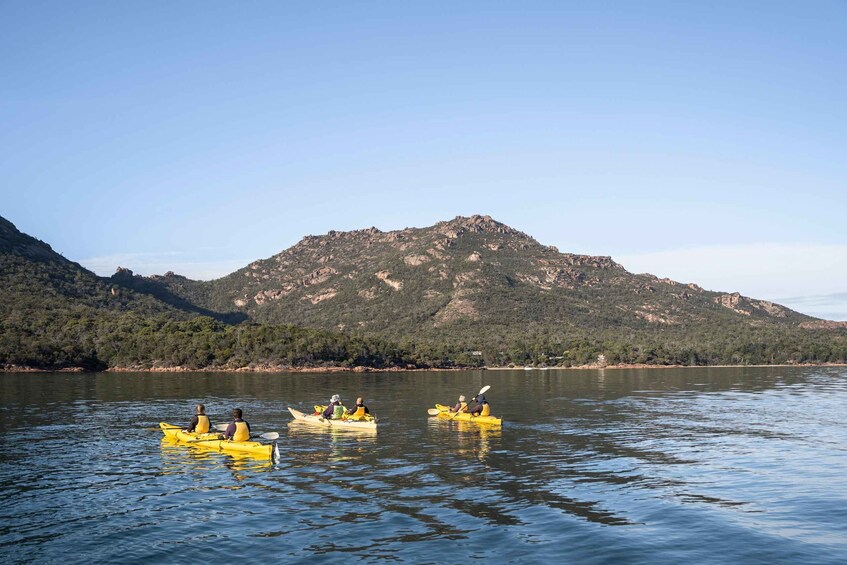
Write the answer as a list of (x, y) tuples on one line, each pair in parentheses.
[(348, 424)]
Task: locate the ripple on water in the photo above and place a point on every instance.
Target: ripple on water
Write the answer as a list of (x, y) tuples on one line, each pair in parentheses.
[(702, 465)]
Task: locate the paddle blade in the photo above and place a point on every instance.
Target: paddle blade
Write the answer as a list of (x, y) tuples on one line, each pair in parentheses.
[(433, 411), (269, 435), (221, 427), (483, 389)]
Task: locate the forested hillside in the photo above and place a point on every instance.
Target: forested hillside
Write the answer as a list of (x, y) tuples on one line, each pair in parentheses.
[(467, 292)]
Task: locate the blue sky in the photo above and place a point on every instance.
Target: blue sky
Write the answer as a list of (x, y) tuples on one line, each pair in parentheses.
[(704, 141)]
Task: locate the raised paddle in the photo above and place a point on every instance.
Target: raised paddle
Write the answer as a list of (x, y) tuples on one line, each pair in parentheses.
[(481, 391)]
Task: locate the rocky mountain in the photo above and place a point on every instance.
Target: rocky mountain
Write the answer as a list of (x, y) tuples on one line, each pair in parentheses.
[(469, 292), (471, 278)]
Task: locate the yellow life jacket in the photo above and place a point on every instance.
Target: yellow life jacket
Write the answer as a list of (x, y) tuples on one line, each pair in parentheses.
[(242, 432), (203, 424), (359, 413), (486, 410), (464, 407)]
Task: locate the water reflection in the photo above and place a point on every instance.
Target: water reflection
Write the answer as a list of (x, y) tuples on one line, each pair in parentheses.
[(334, 445), (179, 458), (630, 465)]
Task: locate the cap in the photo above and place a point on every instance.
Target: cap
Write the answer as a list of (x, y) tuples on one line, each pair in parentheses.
[(335, 398)]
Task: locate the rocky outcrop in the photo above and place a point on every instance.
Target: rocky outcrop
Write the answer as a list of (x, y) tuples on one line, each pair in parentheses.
[(823, 325), (385, 277), (654, 318), (319, 276), (459, 307), (747, 306), (733, 302), (772, 309), (415, 260), (321, 296)]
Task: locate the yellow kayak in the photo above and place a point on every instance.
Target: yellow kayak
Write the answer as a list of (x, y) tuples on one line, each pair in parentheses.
[(367, 423), (444, 412), (211, 441)]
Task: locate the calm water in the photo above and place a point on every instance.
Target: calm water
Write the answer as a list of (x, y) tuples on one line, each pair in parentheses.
[(634, 466)]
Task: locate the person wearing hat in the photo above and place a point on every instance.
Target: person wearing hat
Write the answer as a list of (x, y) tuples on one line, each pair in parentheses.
[(335, 407), (482, 408), (460, 406)]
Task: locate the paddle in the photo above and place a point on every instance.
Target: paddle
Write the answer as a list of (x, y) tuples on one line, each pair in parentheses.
[(223, 427), (433, 411), (481, 391), (266, 435)]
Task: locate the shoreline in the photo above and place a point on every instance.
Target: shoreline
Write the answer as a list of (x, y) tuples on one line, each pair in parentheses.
[(362, 369)]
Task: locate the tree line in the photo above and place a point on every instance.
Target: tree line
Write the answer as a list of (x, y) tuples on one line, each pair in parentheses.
[(99, 340)]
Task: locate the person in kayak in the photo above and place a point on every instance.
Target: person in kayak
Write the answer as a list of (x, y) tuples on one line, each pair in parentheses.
[(359, 410), (200, 422), (335, 410), (238, 429), (460, 406), (482, 408)]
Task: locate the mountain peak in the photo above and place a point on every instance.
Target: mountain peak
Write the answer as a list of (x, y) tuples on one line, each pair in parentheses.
[(477, 224)]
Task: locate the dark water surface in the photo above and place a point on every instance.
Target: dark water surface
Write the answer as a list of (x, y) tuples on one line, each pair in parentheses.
[(632, 466)]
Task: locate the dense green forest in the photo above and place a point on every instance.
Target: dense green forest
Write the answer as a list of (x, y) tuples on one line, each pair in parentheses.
[(77, 339)]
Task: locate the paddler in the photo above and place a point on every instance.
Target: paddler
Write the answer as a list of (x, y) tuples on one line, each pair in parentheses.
[(335, 410), (482, 408), (358, 412), (200, 422), (238, 429), (460, 406)]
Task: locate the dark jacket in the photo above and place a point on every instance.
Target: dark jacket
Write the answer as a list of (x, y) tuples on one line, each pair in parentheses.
[(230, 429), (193, 423), (330, 410), (356, 407), (480, 400)]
